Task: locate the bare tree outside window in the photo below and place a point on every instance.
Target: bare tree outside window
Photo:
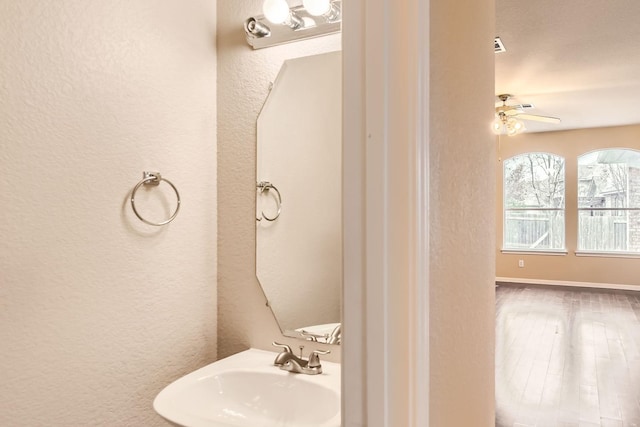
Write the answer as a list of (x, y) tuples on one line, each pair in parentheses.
[(534, 193)]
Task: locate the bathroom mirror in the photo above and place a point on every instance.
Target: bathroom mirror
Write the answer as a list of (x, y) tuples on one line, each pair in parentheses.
[(299, 197)]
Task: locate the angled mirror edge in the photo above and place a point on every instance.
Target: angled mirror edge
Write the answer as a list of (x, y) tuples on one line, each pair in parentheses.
[(290, 333)]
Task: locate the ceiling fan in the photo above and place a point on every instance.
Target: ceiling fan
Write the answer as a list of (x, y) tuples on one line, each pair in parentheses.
[(508, 116)]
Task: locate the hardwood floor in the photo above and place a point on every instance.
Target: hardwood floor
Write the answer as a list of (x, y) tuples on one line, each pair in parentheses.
[(567, 357)]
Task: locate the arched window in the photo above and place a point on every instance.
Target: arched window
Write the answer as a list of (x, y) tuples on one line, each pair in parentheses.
[(609, 201), (534, 202)]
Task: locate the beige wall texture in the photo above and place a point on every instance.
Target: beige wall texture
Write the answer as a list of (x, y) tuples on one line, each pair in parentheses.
[(569, 267), (98, 311), (462, 223), (244, 76)]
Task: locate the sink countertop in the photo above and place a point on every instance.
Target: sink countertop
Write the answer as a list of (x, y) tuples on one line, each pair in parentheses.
[(246, 389)]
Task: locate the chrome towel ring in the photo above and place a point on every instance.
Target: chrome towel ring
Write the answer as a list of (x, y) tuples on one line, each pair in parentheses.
[(153, 178), (263, 186)]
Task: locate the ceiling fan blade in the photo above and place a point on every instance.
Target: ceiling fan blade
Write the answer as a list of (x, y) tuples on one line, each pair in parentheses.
[(509, 109), (513, 112), (537, 118)]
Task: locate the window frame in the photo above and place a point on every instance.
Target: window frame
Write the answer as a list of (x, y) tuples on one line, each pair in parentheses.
[(601, 253), (505, 210)]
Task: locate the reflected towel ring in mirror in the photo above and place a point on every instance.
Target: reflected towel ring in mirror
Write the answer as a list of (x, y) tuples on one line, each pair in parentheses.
[(299, 260), (153, 178), (263, 186)]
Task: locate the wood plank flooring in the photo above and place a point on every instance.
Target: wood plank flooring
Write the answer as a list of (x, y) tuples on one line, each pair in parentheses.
[(567, 357)]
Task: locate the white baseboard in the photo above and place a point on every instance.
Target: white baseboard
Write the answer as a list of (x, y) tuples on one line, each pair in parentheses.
[(618, 286)]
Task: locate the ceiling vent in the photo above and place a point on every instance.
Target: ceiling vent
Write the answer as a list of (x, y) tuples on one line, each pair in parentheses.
[(498, 46)]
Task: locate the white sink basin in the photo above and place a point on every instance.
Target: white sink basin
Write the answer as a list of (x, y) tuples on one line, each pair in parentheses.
[(247, 390)]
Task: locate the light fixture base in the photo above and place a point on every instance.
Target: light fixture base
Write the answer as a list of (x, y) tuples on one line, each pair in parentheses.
[(504, 97)]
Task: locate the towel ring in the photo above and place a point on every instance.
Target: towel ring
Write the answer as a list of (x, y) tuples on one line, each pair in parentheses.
[(153, 178), (263, 186)]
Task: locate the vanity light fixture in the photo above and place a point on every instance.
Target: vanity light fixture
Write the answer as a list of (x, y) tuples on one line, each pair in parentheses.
[(325, 8), (278, 12), (283, 24)]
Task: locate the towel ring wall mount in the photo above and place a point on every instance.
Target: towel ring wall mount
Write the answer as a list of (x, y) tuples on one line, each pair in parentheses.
[(265, 186), (153, 178)]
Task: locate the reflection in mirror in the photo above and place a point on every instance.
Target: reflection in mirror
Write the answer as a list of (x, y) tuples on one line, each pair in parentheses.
[(299, 198)]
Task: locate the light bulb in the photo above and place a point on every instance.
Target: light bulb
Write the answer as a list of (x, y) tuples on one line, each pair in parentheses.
[(514, 126), (276, 11), (519, 126), (497, 126), (317, 7)]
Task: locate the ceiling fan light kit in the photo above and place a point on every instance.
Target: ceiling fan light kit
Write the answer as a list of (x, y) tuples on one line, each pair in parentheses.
[(509, 117), (504, 124)]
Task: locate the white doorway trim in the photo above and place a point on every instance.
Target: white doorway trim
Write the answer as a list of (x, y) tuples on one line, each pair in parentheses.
[(385, 351)]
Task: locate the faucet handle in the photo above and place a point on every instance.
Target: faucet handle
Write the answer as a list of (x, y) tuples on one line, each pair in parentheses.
[(309, 336), (314, 359), (285, 348), (284, 355)]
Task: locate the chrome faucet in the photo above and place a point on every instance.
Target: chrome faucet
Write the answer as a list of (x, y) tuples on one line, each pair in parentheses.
[(335, 337), (287, 361)]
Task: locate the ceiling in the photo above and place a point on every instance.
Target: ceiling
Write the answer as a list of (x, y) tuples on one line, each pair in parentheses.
[(578, 60)]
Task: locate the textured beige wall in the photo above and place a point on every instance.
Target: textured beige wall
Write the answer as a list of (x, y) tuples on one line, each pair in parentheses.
[(569, 267), (462, 192), (244, 75), (98, 311)]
